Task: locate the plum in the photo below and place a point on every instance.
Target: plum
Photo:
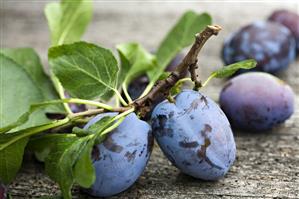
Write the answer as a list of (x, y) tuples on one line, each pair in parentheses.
[(256, 101), (195, 135), (175, 62), (271, 44), (288, 19), (122, 157), (137, 86)]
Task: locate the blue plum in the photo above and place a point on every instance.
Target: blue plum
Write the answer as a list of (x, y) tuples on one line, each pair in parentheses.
[(288, 19), (122, 157), (195, 135), (271, 44), (256, 101)]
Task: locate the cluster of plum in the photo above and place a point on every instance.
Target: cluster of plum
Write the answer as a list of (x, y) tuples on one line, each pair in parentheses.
[(194, 132), (273, 43), (187, 133), (258, 101)]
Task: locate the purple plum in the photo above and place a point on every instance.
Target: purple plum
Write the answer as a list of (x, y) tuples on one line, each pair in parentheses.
[(288, 19), (271, 44), (256, 101)]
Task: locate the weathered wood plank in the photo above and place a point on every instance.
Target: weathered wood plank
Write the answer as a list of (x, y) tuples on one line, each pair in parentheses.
[(267, 163)]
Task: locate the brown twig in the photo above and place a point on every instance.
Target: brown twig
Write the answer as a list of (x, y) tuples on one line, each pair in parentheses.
[(162, 87), (195, 76)]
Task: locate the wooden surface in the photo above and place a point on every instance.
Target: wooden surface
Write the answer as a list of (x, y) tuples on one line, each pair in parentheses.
[(267, 164)]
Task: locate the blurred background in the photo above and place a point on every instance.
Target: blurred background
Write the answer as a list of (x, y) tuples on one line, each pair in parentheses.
[(23, 24)]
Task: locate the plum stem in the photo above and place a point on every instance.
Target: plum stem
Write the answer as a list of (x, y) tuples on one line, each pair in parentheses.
[(121, 99), (170, 98), (163, 87), (124, 88), (186, 79), (209, 78), (98, 111), (115, 125), (60, 91), (77, 117), (119, 118), (89, 102)]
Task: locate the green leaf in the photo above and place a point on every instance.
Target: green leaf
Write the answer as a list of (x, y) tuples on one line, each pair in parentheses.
[(11, 160), (84, 171), (41, 142), (179, 37), (28, 114), (29, 60), (135, 61), (58, 167), (18, 93), (42, 145), (68, 20), (229, 70), (96, 128), (164, 75), (12, 149), (7, 139), (85, 70), (84, 165), (69, 160)]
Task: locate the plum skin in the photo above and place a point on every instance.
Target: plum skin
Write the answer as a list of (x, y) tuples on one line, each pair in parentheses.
[(256, 101), (122, 157), (271, 44), (288, 19), (195, 135)]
